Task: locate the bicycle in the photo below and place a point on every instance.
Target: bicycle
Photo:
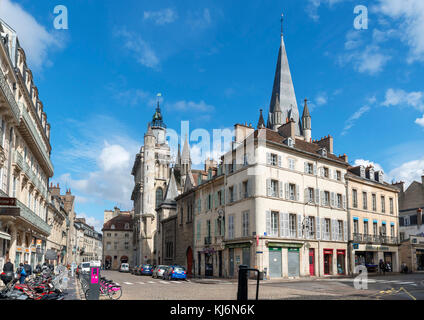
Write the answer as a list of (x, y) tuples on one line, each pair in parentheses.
[(108, 289)]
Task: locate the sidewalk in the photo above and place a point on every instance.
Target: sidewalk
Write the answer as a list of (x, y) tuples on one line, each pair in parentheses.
[(72, 292)]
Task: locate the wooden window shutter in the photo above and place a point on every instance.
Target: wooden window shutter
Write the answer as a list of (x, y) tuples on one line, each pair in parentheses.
[(317, 227), (286, 227), (299, 226), (268, 223)]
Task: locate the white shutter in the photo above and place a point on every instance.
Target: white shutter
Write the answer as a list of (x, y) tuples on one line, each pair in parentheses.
[(280, 189), (286, 225), (299, 226), (344, 231), (343, 179), (249, 187), (268, 158), (324, 235), (268, 223), (317, 196), (306, 167), (330, 173), (322, 198), (306, 195), (344, 201), (317, 228), (279, 161), (315, 169), (333, 230), (241, 195), (281, 224), (297, 192), (286, 189), (268, 187), (332, 199)]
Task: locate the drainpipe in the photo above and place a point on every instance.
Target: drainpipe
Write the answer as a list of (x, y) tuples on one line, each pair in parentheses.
[(349, 241)]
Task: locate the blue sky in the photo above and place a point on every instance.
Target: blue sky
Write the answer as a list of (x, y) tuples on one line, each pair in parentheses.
[(214, 63)]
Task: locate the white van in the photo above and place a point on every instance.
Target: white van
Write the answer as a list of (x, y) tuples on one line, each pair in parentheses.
[(125, 267)]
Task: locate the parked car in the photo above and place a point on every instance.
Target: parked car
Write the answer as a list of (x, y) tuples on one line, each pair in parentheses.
[(158, 271), (175, 272), (134, 270), (125, 267), (146, 270)]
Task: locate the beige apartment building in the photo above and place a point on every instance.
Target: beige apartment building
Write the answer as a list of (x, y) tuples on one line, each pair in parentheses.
[(118, 239), (59, 239), (89, 242), (25, 165), (374, 218)]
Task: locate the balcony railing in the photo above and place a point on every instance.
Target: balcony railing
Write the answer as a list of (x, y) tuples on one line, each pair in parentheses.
[(357, 237), (32, 218), (9, 96), (374, 239)]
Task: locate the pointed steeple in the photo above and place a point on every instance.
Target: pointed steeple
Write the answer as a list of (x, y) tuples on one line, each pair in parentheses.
[(283, 97), (306, 123), (171, 190), (178, 162), (185, 157), (261, 122)]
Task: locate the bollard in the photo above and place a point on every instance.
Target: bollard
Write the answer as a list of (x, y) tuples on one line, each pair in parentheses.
[(242, 283), (94, 285)]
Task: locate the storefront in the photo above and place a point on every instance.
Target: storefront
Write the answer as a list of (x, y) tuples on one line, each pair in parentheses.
[(369, 256), (293, 262), (420, 259), (328, 261), (283, 259), (238, 253)]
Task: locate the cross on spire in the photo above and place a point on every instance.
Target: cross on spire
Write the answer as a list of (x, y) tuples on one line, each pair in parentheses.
[(282, 20)]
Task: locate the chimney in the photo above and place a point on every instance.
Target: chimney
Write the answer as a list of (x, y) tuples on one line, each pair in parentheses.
[(288, 130), (54, 190), (420, 217), (344, 158), (326, 142), (242, 132)]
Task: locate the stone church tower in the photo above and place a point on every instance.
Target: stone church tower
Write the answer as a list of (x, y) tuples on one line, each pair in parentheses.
[(151, 171)]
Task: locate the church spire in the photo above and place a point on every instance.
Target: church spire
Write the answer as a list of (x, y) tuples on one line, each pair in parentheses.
[(283, 99), (306, 122), (261, 123)]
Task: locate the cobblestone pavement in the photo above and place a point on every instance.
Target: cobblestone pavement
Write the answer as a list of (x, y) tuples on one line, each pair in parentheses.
[(145, 288)]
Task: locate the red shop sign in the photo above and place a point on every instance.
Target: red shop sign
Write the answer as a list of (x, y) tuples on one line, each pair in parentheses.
[(341, 252), (328, 251)]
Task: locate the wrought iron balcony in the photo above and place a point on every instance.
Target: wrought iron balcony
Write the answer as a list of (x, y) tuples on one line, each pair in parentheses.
[(32, 218), (376, 239), (4, 87), (367, 238), (357, 237)]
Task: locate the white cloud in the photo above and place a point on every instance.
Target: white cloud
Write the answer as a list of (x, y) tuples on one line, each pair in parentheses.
[(420, 121), (313, 5), (161, 17), (91, 221), (410, 14), (399, 97), (108, 155), (33, 37), (409, 171), (353, 118), (369, 60), (200, 20), (142, 51), (190, 106), (366, 163)]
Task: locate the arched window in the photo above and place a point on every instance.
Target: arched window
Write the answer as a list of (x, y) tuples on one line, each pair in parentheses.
[(159, 196)]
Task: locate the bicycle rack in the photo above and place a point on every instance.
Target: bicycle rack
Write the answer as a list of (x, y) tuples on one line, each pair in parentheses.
[(243, 283)]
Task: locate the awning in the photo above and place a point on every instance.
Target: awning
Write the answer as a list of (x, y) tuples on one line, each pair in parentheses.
[(238, 245), (365, 220), (355, 219), (4, 235)]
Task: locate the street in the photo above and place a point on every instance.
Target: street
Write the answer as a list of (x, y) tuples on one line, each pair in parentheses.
[(390, 287)]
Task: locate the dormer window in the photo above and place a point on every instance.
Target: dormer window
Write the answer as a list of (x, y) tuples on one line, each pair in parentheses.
[(112, 227), (323, 152), (289, 142), (371, 172), (362, 172)]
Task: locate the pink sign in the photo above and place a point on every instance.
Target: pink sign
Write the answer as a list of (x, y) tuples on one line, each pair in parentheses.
[(95, 275)]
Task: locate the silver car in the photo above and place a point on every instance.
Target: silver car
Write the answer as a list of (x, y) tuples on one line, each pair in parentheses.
[(158, 271)]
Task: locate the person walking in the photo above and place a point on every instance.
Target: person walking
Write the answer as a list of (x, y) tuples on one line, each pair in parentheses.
[(382, 267), (8, 270), (21, 273), (28, 269)]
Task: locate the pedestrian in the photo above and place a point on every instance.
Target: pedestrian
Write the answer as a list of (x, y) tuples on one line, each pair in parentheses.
[(8, 270), (21, 273), (28, 269), (382, 267)]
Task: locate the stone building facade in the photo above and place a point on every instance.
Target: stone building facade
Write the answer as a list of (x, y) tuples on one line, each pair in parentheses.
[(411, 208), (118, 239), (411, 253), (374, 219), (151, 171), (59, 239), (89, 242), (25, 165)]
